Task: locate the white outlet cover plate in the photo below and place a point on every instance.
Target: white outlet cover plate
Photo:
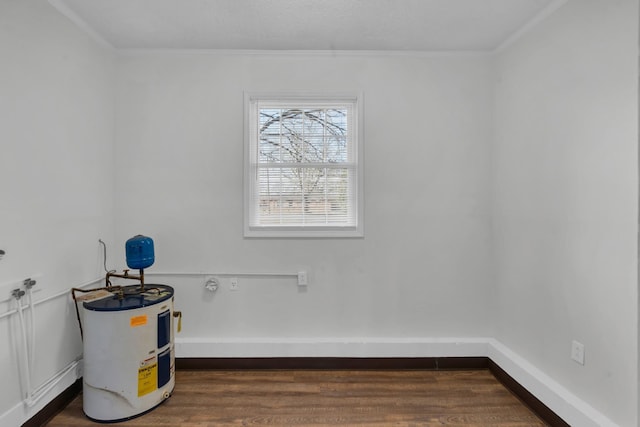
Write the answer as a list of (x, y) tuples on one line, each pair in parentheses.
[(577, 352)]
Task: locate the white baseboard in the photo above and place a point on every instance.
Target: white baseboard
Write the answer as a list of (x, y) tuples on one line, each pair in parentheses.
[(331, 347), (21, 412), (568, 406)]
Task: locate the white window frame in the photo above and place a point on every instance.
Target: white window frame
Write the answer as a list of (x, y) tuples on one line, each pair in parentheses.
[(251, 128)]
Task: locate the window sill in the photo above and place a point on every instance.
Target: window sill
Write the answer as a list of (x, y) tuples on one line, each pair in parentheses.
[(297, 232)]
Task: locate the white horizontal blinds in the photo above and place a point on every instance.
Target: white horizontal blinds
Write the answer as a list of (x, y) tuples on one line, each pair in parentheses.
[(305, 165)]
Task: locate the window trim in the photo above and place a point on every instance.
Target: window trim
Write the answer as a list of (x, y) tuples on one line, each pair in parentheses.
[(357, 127)]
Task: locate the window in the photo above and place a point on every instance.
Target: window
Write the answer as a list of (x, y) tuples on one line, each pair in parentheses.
[(303, 170)]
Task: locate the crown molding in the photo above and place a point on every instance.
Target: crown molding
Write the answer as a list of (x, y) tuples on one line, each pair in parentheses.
[(61, 7), (310, 53), (531, 24)]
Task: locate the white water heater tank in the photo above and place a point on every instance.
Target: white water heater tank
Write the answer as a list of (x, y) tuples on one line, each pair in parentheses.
[(129, 361)]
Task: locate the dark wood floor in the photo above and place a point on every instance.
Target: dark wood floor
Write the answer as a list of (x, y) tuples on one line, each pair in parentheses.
[(329, 398)]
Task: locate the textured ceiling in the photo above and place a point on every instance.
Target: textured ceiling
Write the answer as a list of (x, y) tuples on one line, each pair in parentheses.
[(397, 25)]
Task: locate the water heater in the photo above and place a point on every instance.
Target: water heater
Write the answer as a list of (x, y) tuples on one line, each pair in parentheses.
[(128, 352)]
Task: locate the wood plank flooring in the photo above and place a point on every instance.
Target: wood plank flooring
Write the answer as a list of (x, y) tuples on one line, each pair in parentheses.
[(328, 398)]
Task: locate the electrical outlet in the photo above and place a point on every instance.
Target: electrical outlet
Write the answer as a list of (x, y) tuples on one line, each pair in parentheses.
[(577, 352), (233, 284), (302, 278)]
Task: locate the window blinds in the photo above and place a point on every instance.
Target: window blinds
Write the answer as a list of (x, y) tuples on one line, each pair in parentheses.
[(304, 165)]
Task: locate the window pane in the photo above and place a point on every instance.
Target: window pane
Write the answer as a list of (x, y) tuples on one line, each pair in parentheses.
[(298, 196), (294, 135), (303, 175)]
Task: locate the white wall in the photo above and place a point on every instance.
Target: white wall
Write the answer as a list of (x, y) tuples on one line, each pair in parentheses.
[(542, 197), (56, 179), (423, 267), (565, 196)]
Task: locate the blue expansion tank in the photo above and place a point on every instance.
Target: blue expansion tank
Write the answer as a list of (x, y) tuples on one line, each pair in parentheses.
[(139, 251)]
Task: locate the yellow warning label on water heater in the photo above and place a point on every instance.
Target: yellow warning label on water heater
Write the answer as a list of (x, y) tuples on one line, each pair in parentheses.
[(138, 321), (147, 379)]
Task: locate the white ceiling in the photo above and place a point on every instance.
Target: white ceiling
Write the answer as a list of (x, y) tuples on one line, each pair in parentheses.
[(389, 25)]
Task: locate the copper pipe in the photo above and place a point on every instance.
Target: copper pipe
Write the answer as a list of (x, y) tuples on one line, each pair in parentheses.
[(126, 275), (75, 300)]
